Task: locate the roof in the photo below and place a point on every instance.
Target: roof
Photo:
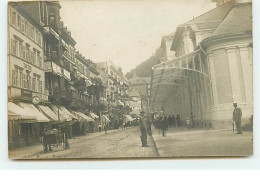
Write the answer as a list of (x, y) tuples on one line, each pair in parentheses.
[(212, 18), (229, 18), (238, 21)]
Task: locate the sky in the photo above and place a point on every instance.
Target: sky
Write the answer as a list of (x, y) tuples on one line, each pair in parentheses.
[(123, 31)]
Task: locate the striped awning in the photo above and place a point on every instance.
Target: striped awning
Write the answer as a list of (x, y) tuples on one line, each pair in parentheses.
[(16, 112), (33, 110)]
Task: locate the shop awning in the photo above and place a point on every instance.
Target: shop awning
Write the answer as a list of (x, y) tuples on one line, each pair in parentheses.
[(63, 116), (105, 119), (128, 118), (83, 116), (49, 113), (94, 116), (67, 112), (16, 112), (33, 110)]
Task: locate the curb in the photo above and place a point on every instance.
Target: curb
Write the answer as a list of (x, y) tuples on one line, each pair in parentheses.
[(157, 151)]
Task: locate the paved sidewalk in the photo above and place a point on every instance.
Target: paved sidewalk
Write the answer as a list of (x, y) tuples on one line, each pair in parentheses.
[(183, 142), (27, 151)]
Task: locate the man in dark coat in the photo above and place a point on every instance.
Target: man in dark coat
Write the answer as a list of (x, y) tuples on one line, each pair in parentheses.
[(237, 114), (164, 125)]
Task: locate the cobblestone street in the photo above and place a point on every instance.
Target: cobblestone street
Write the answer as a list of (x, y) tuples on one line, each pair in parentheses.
[(116, 144), (178, 142)]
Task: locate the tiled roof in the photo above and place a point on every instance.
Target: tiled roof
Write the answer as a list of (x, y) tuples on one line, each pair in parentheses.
[(212, 18), (238, 21)]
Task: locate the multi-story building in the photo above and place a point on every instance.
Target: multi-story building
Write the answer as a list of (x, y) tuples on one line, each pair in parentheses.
[(26, 77), (212, 68), (116, 91)]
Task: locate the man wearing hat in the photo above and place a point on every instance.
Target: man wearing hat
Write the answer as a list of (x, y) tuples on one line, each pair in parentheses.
[(237, 114)]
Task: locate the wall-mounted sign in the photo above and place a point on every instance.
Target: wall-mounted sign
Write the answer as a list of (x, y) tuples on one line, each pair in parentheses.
[(26, 95)]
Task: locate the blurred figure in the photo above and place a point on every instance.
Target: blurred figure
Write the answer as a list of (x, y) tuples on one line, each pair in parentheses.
[(237, 114)]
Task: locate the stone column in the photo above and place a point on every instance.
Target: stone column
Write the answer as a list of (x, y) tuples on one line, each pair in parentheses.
[(234, 74), (213, 79), (247, 69)]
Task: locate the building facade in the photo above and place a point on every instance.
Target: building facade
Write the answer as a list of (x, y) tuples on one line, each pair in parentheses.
[(212, 68), (116, 92), (26, 76)]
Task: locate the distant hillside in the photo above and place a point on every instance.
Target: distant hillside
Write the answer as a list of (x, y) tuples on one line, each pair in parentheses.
[(144, 69)]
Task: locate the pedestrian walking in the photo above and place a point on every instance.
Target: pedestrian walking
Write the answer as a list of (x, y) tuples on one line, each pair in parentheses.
[(164, 125), (237, 114), (47, 147), (65, 132)]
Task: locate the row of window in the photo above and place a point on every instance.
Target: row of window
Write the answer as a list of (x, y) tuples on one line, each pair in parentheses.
[(25, 27), (23, 79), (83, 70), (23, 51)]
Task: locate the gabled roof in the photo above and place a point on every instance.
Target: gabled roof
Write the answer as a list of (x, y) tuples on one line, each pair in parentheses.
[(238, 21), (229, 18), (212, 18)]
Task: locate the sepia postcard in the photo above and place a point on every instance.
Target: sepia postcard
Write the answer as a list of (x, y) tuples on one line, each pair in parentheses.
[(110, 79)]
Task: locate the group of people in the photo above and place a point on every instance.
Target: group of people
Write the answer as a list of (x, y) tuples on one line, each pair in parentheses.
[(163, 123)]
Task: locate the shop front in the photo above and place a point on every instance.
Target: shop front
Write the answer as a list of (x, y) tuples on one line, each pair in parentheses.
[(21, 126)]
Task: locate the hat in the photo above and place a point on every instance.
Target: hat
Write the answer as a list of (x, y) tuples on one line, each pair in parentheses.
[(234, 102)]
